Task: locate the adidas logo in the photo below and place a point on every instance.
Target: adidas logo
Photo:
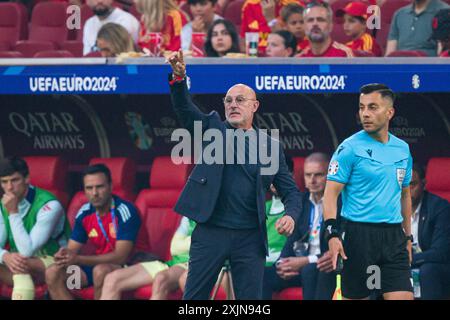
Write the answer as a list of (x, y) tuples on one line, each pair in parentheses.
[(93, 234)]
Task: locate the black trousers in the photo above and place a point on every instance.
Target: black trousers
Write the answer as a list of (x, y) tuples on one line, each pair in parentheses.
[(434, 281), (211, 246), (316, 285)]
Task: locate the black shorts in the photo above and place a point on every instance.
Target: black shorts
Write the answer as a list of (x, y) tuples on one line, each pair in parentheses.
[(377, 259)]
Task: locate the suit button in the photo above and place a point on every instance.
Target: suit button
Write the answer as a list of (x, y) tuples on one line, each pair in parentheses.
[(202, 180)]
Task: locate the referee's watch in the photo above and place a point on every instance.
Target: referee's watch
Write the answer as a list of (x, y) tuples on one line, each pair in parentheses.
[(410, 237)]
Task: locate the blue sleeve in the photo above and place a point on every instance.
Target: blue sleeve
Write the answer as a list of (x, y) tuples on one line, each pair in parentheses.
[(341, 164), (408, 174), (79, 233), (129, 228)]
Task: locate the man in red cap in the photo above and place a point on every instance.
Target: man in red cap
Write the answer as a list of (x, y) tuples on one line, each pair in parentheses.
[(355, 18), (318, 18)]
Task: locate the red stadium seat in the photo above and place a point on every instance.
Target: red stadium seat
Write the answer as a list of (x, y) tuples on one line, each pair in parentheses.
[(382, 35), (85, 293), (156, 204), (389, 8), (86, 13), (407, 53), (49, 173), (10, 54), (145, 293), (29, 48), (44, 29), (73, 46), (5, 45), (10, 23), (294, 293), (438, 177), (54, 54), (233, 12), (298, 172)]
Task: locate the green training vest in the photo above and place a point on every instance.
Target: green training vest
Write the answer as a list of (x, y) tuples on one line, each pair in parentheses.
[(275, 240), (41, 198), (183, 257)]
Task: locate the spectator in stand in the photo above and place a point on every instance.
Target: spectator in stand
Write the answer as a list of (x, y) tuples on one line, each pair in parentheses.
[(110, 223), (441, 32), (203, 17), (318, 25), (430, 226), (113, 39), (161, 16), (281, 43), (222, 39), (260, 16), (104, 13), (292, 19), (411, 27), (221, 5), (355, 18)]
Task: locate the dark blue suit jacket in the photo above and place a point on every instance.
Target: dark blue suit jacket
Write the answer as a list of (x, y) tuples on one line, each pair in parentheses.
[(301, 230), (434, 230), (199, 196)]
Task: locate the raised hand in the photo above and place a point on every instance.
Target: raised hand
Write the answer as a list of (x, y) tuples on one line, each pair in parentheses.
[(177, 63), (11, 202)]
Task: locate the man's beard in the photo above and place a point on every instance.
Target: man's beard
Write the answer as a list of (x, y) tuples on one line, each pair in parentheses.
[(102, 11), (317, 38)]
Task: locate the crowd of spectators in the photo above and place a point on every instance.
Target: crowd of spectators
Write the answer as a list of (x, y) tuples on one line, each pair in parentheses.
[(321, 28)]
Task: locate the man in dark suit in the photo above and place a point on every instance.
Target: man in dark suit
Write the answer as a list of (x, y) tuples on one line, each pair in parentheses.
[(431, 232), (227, 200), (304, 260)]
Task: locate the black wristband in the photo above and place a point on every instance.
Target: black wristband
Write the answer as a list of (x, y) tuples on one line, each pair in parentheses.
[(331, 229)]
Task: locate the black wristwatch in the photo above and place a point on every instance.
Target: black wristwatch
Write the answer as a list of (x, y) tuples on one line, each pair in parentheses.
[(410, 237)]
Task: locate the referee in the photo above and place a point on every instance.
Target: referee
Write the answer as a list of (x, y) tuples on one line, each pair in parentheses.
[(372, 169)]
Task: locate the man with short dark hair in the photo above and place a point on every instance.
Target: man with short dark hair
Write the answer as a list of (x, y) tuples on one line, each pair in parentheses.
[(105, 12), (32, 229), (411, 27), (203, 16), (110, 223), (372, 169), (318, 19), (430, 224)]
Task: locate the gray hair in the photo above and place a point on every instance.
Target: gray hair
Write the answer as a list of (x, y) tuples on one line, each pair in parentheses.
[(318, 157), (321, 5)]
